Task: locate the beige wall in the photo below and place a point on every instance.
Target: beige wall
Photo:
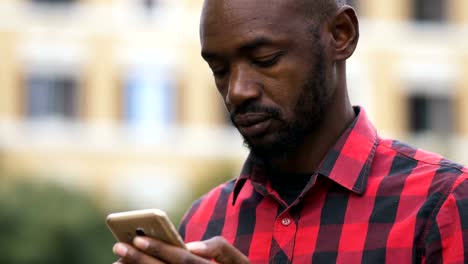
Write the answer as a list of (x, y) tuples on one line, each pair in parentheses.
[(384, 10), (458, 11), (9, 77), (199, 98), (198, 101), (101, 86), (97, 1), (389, 101), (461, 99)]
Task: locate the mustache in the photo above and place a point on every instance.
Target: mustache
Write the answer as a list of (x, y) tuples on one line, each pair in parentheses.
[(252, 107)]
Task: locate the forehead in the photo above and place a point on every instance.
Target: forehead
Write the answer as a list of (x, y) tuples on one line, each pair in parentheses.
[(237, 20)]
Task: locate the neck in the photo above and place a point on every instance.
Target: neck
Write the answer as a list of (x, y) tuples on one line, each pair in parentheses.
[(338, 115)]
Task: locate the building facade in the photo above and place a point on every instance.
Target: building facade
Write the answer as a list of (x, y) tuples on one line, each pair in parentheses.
[(112, 95)]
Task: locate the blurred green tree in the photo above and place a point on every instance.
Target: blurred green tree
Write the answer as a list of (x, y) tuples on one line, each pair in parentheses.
[(45, 223)]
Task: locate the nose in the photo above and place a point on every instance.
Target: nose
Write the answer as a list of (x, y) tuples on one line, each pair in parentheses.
[(243, 86)]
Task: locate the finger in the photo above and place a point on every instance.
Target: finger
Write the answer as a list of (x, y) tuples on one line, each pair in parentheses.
[(119, 261), (165, 252), (219, 249), (130, 255)]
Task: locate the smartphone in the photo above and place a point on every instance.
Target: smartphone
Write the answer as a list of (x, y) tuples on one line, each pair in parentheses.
[(154, 223)]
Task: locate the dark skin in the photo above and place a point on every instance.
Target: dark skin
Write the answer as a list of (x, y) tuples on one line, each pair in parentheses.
[(263, 52)]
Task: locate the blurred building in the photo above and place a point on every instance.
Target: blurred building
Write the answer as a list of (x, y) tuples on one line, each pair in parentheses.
[(112, 96), (410, 71)]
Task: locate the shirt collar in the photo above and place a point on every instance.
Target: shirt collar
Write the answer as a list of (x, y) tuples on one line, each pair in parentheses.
[(347, 163)]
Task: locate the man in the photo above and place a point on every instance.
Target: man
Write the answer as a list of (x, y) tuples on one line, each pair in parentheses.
[(319, 184)]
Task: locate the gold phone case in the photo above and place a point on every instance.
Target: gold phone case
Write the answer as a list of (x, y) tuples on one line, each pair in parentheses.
[(154, 223)]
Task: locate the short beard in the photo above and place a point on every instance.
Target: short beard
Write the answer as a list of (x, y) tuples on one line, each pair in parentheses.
[(308, 111)]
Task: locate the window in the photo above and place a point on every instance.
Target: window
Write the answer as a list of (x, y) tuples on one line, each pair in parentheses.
[(429, 10), (52, 97), (148, 7), (431, 114), (149, 4), (149, 97)]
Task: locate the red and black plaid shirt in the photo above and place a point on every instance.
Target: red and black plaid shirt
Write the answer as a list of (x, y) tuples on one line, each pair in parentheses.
[(372, 200)]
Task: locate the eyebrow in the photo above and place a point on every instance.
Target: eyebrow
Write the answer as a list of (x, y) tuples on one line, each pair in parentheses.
[(251, 45), (256, 43)]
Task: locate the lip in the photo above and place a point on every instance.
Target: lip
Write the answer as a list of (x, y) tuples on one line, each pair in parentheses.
[(252, 124)]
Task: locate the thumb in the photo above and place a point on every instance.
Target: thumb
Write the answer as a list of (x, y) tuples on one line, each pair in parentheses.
[(219, 249)]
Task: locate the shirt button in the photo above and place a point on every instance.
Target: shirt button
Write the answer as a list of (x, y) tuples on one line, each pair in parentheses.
[(286, 221)]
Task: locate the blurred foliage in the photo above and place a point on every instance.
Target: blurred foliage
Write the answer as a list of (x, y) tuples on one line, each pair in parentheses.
[(45, 223)]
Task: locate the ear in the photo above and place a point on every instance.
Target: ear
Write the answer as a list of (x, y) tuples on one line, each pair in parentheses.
[(345, 32)]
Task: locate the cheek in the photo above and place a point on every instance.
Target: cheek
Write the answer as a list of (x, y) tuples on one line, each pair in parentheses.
[(285, 92), (222, 92), (220, 87)]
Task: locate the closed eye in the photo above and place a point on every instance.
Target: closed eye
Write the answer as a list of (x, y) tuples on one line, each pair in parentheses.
[(267, 61), (219, 73), (218, 68)]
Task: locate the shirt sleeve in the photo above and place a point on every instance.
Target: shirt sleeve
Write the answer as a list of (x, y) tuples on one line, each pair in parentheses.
[(447, 239)]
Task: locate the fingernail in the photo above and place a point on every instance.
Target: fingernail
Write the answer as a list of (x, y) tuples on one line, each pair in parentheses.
[(120, 250), (193, 246), (141, 243)]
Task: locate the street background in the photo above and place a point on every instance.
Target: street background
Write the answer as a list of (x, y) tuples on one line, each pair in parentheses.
[(106, 105)]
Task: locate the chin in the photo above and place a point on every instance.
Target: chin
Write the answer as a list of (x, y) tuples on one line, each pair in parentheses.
[(267, 147)]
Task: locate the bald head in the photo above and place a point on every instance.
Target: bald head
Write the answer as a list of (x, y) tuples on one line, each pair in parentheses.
[(318, 10), (312, 12)]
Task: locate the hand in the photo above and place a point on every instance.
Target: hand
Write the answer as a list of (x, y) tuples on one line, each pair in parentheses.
[(149, 251)]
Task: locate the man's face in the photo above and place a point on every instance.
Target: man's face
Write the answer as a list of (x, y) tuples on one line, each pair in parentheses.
[(270, 69)]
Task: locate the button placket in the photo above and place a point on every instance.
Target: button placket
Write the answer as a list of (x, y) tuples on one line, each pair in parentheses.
[(285, 233)]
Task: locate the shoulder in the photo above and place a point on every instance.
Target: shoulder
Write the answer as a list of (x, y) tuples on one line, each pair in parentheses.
[(419, 155), (419, 168), (439, 188)]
